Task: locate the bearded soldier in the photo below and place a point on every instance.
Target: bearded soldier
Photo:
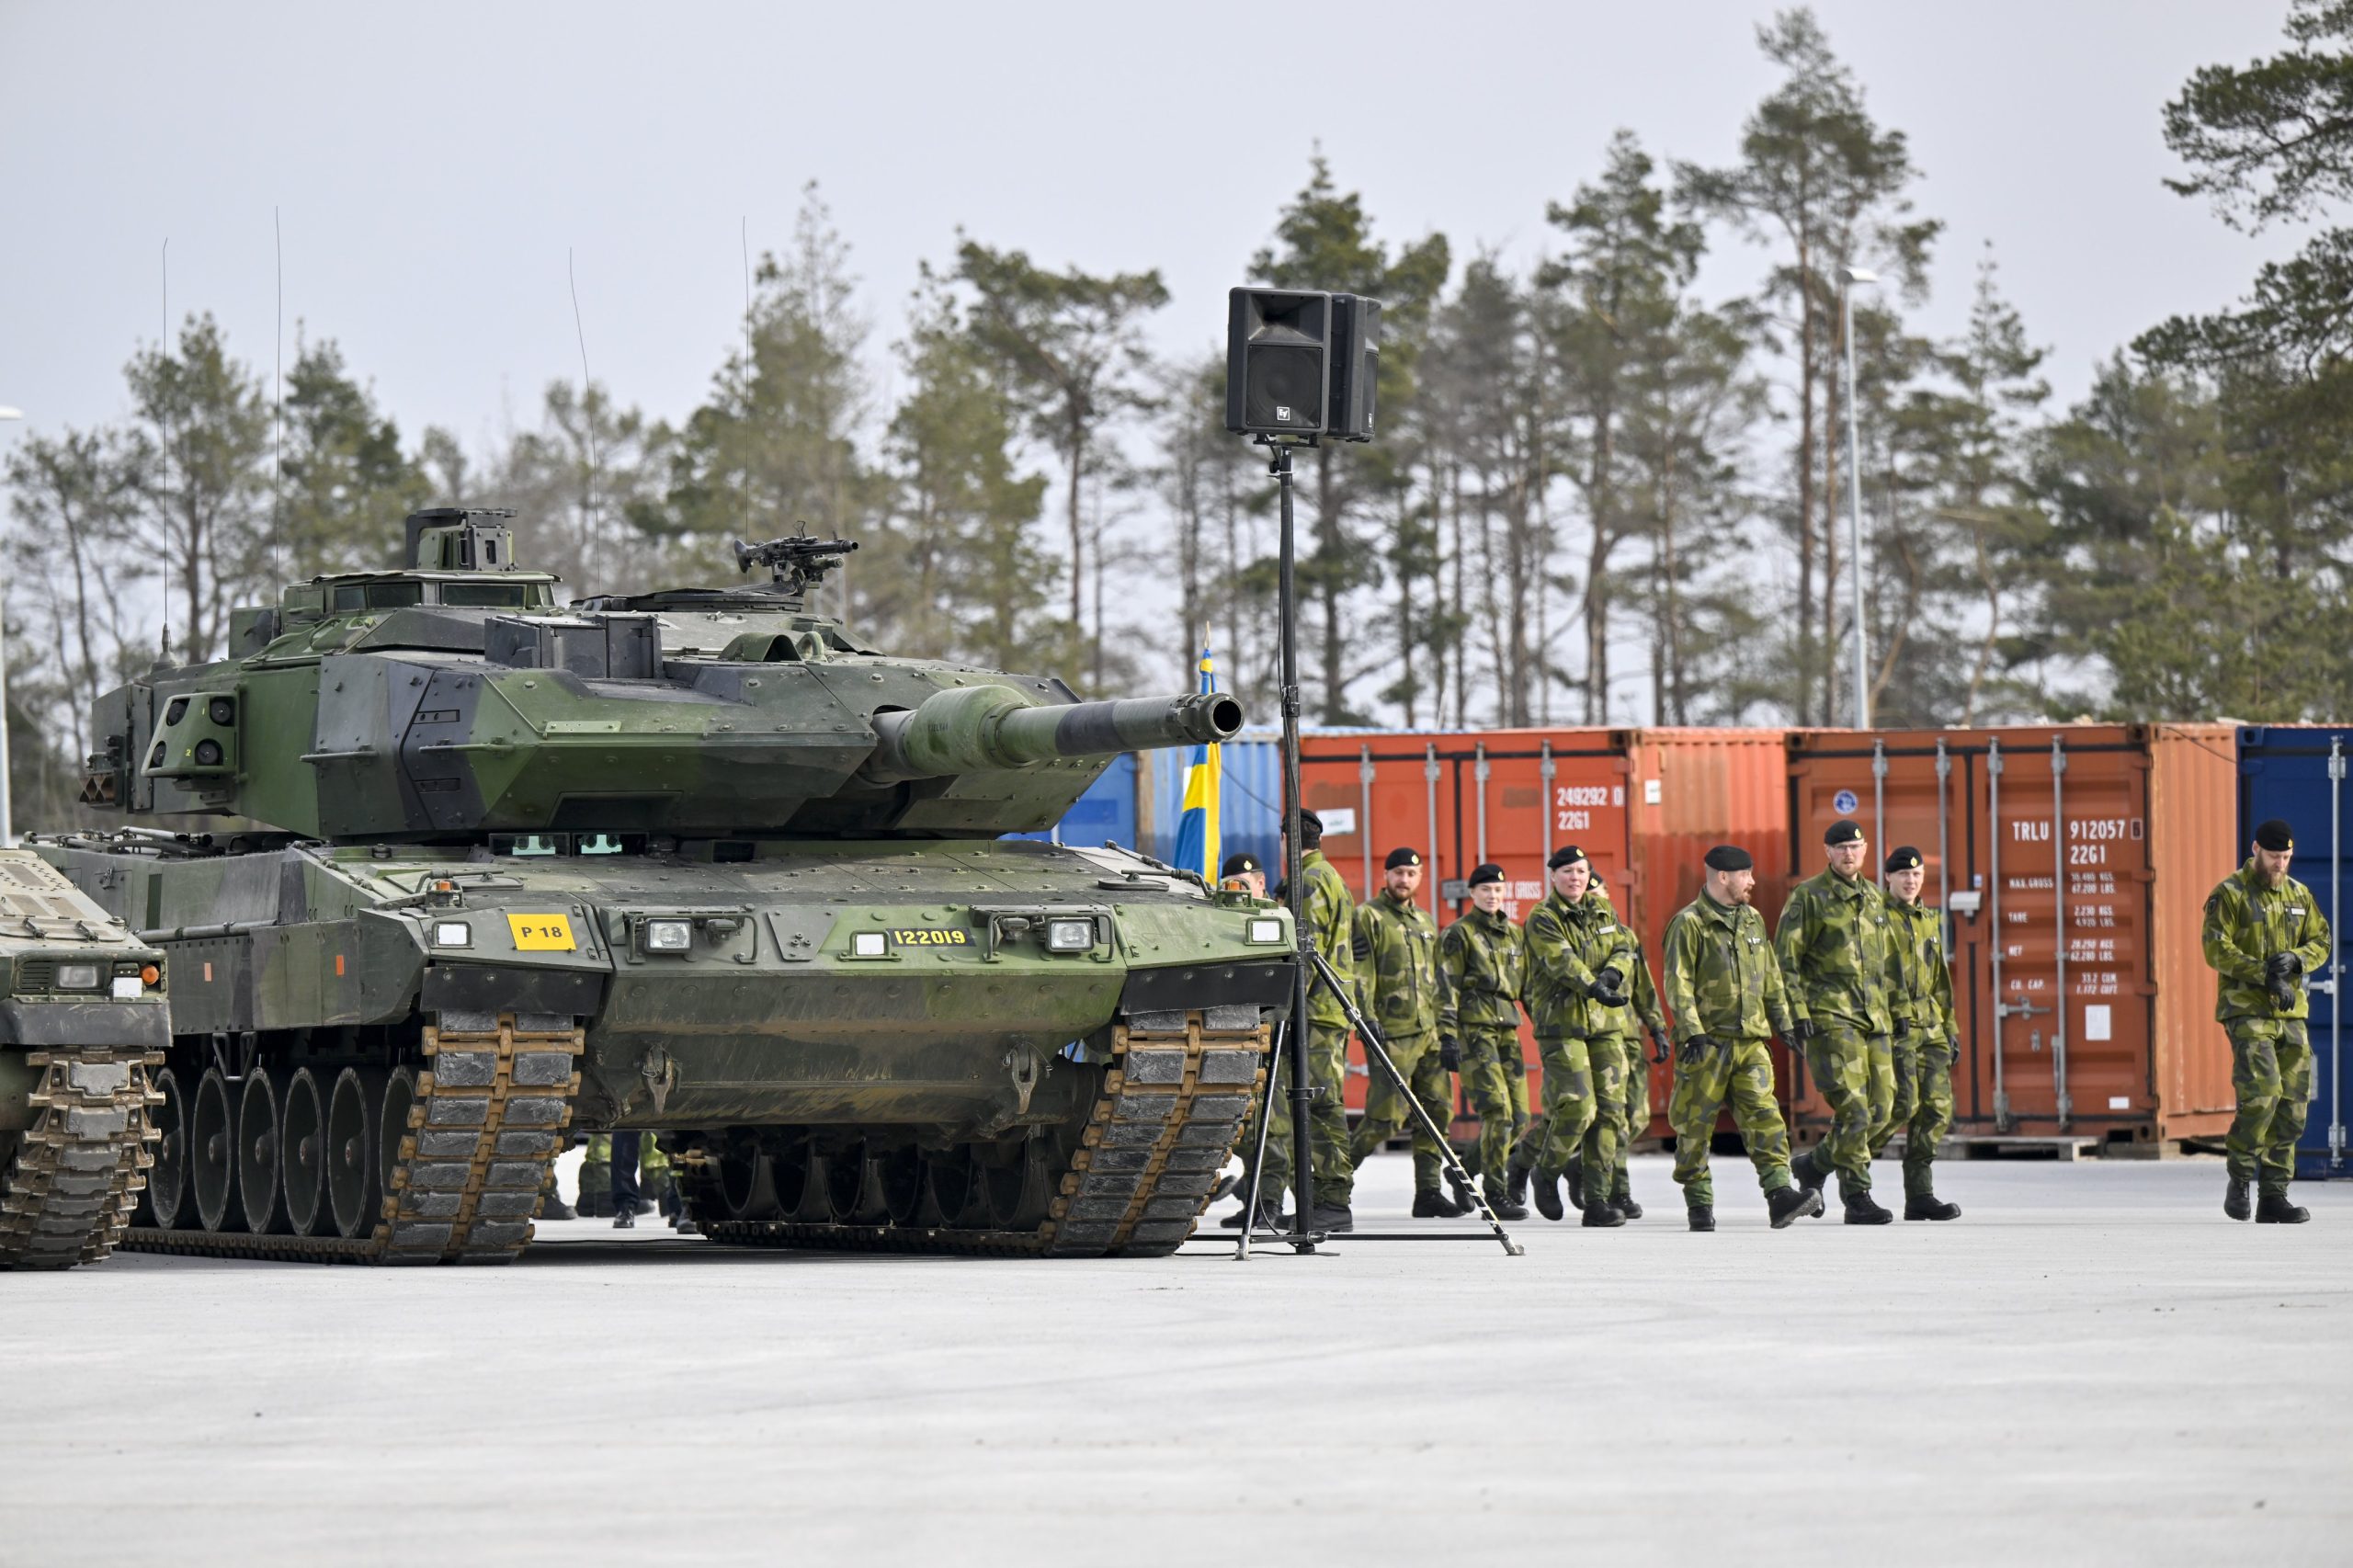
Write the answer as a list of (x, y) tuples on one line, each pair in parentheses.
[(1396, 954), (1577, 963), (1617, 1025), (1919, 1001), (1832, 943), (1481, 961), (2265, 932)]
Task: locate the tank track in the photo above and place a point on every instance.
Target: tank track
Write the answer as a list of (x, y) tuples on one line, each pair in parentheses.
[(1173, 1099), (74, 1178), (493, 1101)]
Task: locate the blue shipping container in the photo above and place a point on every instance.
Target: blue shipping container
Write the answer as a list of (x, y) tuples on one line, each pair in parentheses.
[(1249, 799), (1106, 813), (2298, 773)]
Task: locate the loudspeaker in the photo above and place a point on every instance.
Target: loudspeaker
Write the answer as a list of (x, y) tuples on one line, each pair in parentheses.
[(1278, 361), (1355, 366)]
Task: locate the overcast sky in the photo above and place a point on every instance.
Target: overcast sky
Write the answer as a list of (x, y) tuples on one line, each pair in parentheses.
[(433, 164)]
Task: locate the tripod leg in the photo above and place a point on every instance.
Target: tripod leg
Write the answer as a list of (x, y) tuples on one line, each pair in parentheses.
[(1378, 1048), (1258, 1159)]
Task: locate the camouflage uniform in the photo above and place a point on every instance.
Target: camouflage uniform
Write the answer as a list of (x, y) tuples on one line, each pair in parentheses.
[(2271, 1056), (1330, 925), (1721, 980), (1481, 960), (1919, 1000), (1832, 943), (1568, 945), (1396, 964), (1628, 1027)]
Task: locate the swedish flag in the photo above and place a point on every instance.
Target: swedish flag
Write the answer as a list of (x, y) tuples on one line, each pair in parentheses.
[(1197, 835)]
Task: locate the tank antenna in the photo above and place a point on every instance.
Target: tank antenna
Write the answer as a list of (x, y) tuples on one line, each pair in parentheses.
[(587, 413), (277, 478)]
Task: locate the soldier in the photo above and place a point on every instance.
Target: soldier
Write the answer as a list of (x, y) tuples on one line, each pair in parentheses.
[(1396, 954), (2264, 933), (1576, 964), (1725, 988), (1242, 873), (1481, 961), (1919, 1000), (1832, 943), (1328, 911), (1619, 1025)]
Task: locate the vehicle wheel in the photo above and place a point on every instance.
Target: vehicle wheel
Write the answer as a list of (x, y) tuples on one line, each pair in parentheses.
[(212, 1153), (303, 1154), (355, 1188), (165, 1203), (259, 1154)]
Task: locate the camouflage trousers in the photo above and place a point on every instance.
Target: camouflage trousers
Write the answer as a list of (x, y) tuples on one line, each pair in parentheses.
[(1328, 1122), (1489, 1053), (1739, 1073), (1579, 1112), (1388, 1112), (1845, 1064), (2271, 1068), (1634, 1106), (1920, 1107)]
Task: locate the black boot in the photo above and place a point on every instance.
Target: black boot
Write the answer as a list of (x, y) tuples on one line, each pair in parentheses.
[(1463, 1202), (1601, 1216), (685, 1226), (2273, 1209), (1806, 1173), (1332, 1217), (1928, 1206), (1270, 1216), (1623, 1202), (1702, 1216), (1226, 1187), (1576, 1187), (1519, 1174), (2234, 1203), (1501, 1202), (553, 1206), (625, 1219), (1862, 1208), (1787, 1203), (1435, 1205), (1548, 1194)]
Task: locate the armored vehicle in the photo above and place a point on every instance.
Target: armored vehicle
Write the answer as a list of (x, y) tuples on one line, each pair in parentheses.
[(486, 872), (82, 1018)]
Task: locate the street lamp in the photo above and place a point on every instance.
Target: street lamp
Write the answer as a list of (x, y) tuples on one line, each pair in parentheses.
[(7, 833), (1849, 277)]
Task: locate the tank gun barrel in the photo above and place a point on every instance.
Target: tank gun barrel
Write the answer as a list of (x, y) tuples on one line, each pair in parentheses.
[(980, 728)]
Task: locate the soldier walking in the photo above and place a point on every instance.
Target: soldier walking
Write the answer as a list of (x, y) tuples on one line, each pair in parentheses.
[(1832, 943), (1396, 954), (1481, 960), (1576, 963), (2264, 933), (1919, 1001), (1724, 987), (1617, 1026)]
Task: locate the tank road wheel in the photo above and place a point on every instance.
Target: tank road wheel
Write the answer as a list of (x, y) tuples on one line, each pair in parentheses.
[(355, 1184), (803, 1179), (303, 1154), (212, 1152), (854, 1186), (392, 1106), (747, 1186), (1020, 1193), (954, 1190), (260, 1153), (166, 1204)]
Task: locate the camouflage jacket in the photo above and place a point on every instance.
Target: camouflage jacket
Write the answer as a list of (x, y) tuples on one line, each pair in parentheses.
[(1641, 995), (1722, 978), (1568, 945), (1396, 954), (1333, 929), (1482, 960), (1919, 976), (2245, 924), (1832, 942)]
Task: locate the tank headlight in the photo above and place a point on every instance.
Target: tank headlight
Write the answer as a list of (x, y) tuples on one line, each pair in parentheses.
[(1265, 931), (868, 944), (452, 934), (1069, 936), (668, 936), (79, 977)]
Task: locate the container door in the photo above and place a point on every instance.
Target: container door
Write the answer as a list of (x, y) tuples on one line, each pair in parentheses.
[(2299, 776)]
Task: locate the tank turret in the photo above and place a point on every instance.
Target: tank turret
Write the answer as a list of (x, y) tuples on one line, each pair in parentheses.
[(452, 699)]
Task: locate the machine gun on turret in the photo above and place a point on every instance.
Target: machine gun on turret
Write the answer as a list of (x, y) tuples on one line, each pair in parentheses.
[(796, 565)]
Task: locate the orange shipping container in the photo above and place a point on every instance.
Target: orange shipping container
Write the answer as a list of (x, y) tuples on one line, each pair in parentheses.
[(2074, 863)]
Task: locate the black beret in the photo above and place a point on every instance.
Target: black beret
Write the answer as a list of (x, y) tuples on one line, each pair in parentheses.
[(1310, 825), (1846, 830), (2274, 836), (1566, 855), (1904, 860), (1235, 865), (1489, 872), (1401, 856), (1730, 857)]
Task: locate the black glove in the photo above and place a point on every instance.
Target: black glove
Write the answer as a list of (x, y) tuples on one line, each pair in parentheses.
[(2282, 966), (1658, 1043), (1694, 1048), (1608, 988), (1801, 1031), (1449, 1053)]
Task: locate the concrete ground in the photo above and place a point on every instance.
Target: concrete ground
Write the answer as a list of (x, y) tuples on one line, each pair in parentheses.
[(2093, 1365)]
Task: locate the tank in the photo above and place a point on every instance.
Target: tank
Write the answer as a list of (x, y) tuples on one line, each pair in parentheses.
[(446, 874), (82, 1020)]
